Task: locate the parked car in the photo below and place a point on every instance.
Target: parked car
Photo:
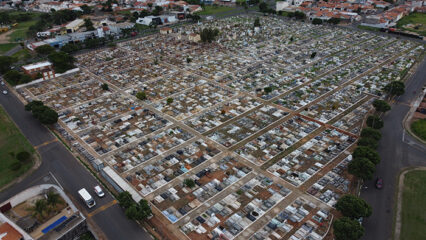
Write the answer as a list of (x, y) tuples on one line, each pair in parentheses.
[(379, 183), (2, 83), (99, 191), (4, 92)]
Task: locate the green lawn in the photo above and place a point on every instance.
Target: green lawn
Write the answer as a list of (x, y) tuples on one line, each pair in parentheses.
[(418, 21), (6, 47), (11, 143), (419, 128), (212, 10), (413, 206), (20, 32)]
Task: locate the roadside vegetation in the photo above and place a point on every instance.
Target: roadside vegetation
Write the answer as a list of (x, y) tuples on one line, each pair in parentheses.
[(214, 9), (15, 151), (415, 22), (133, 210), (413, 206), (419, 128)]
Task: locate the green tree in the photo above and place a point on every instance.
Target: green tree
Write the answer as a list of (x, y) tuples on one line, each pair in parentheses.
[(62, 61), (381, 106), (86, 9), (14, 77), (71, 47), (361, 168), (257, 22), (353, 207), (157, 10), (367, 142), (53, 199), (88, 24), (374, 122), (5, 63), (125, 199), (396, 88), (169, 101), (263, 7), (132, 212), (141, 95), (267, 90), (209, 34), (32, 104), (45, 115), (23, 156), (145, 209), (105, 87), (313, 54), (316, 21), (299, 15), (189, 182), (334, 21), (371, 133), (347, 229), (45, 50), (39, 208), (367, 152)]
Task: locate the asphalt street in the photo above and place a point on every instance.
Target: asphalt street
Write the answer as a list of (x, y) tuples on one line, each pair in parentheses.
[(396, 153), (70, 174)]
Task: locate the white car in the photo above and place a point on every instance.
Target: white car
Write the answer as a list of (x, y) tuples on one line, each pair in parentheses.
[(4, 92), (2, 83), (99, 191)]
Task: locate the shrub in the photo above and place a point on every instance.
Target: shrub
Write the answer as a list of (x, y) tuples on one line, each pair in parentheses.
[(23, 156), (15, 166)]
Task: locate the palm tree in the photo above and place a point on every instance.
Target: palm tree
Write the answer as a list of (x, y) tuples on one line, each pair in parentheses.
[(39, 208), (53, 199)]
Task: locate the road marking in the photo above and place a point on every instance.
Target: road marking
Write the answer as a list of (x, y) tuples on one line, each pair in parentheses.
[(46, 143), (102, 208)]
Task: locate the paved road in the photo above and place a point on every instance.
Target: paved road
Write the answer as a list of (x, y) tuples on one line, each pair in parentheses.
[(69, 172), (396, 154)]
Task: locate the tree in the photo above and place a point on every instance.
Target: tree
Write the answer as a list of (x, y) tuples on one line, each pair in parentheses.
[(145, 208), (396, 88), (40, 206), (53, 199), (367, 152), (62, 61), (353, 207), (132, 212), (169, 101), (88, 24), (157, 10), (263, 7), (105, 87), (371, 133), (71, 47), (189, 183), (141, 95), (23, 156), (45, 50), (374, 122), (257, 22), (267, 90), (5, 63), (32, 104), (125, 199), (334, 20), (361, 168), (381, 106), (313, 54), (14, 77), (209, 34), (367, 142), (43, 113), (316, 21), (86, 9), (299, 15), (347, 229)]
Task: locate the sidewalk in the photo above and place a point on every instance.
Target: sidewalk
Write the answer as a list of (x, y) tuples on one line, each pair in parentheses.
[(408, 118)]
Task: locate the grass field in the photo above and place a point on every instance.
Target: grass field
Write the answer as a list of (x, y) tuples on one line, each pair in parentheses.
[(413, 206), (212, 10), (11, 143), (418, 21), (20, 32), (419, 128), (6, 47), (368, 28)]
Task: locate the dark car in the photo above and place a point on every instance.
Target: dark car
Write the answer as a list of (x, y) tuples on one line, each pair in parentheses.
[(379, 183)]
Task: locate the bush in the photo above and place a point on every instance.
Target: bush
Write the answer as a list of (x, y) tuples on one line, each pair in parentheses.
[(375, 122), (15, 166), (23, 156)]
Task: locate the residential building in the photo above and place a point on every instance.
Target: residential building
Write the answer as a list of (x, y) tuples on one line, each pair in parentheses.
[(44, 68)]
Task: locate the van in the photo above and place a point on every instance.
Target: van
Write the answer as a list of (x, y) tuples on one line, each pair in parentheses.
[(87, 198)]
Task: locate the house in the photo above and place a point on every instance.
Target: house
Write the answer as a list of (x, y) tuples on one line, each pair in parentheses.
[(149, 20), (8, 232), (74, 25), (44, 68), (165, 30), (116, 28)]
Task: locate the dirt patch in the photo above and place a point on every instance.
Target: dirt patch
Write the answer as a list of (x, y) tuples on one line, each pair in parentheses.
[(4, 38)]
